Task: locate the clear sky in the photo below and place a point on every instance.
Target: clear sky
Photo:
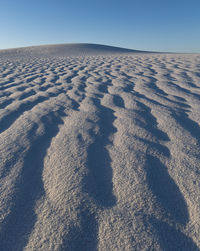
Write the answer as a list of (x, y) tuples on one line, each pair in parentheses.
[(158, 25)]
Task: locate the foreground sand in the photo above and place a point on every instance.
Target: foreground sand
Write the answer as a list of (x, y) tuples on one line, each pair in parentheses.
[(99, 151)]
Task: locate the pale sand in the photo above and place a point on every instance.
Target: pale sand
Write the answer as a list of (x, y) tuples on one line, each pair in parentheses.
[(99, 149)]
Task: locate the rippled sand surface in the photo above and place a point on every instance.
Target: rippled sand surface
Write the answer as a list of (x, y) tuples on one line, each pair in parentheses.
[(99, 151)]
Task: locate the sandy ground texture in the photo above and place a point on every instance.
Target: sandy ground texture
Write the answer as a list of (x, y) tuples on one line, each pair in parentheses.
[(99, 149)]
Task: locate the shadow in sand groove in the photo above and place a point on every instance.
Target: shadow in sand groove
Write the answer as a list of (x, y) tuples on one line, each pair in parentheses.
[(20, 221), (98, 183), (159, 181), (188, 124), (172, 239), (166, 190)]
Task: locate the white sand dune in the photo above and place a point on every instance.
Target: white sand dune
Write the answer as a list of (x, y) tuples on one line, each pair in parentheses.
[(99, 149), (58, 50)]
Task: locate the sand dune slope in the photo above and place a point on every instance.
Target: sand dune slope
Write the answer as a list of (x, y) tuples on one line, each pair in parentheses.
[(59, 50), (99, 152)]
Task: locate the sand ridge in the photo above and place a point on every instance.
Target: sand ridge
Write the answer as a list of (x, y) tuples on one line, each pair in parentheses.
[(100, 152)]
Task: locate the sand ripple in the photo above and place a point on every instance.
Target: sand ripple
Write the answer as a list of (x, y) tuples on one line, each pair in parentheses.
[(100, 152)]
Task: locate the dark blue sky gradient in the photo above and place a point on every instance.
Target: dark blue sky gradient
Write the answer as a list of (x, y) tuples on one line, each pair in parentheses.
[(163, 25)]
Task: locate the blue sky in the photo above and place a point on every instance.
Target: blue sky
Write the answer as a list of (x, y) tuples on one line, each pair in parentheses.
[(158, 25)]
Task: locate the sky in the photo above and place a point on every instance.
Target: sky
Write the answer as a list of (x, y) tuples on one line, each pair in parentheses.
[(154, 25)]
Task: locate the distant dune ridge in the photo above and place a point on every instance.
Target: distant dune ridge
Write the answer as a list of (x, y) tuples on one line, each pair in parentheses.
[(99, 149), (79, 49)]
